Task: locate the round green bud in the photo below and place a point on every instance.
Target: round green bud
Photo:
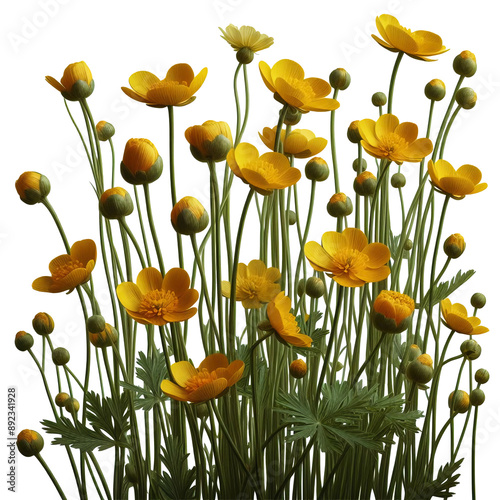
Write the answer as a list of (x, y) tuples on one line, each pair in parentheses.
[(301, 287), (61, 399), (340, 79), (23, 341), (293, 116), (339, 205), (435, 90), (477, 397), (460, 402), (478, 300), (189, 216), (245, 55), (414, 353), (29, 443), (317, 169), (353, 132), (465, 64), (466, 98), (43, 324), (379, 99), (115, 203), (470, 349), (408, 245), (298, 368), (131, 473), (315, 287), (265, 325), (420, 369), (359, 166), (96, 323), (79, 91), (482, 376), (60, 356), (398, 180), (104, 338), (292, 217), (32, 187), (202, 411), (72, 406), (365, 184), (105, 131), (454, 246)]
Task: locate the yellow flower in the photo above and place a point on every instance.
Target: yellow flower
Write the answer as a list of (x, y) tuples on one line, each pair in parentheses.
[(264, 173), (456, 183), (176, 89), (300, 143), (255, 284), (210, 141), (286, 79), (417, 44), (348, 258), (455, 318), (189, 216), (392, 311), (210, 380), (284, 322), (32, 187), (391, 140), (69, 270), (141, 162), (76, 83), (158, 300), (246, 41)]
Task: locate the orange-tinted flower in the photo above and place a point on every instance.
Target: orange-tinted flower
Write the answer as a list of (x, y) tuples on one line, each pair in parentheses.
[(300, 143), (76, 83), (455, 318), (392, 311)]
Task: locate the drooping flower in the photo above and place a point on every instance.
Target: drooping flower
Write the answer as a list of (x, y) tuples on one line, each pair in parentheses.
[(210, 141), (210, 380), (456, 183), (388, 139), (69, 270), (176, 89), (76, 83), (392, 311), (348, 258), (286, 79), (300, 143), (284, 322), (264, 173), (455, 318), (158, 300), (255, 284), (417, 44), (246, 41)]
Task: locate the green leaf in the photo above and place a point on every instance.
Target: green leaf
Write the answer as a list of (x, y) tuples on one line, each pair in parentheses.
[(445, 480), (108, 415), (446, 288)]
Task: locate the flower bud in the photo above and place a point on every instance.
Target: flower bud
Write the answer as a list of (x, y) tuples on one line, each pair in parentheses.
[(115, 203), (454, 246), (435, 90), (202, 411), (301, 287), (359, 163), (379, 99), (460, 401), (76, 83), (189, 216), (101, 334), (414, 353), (420, 370), (32, 187), (141, 162), (131, 473), (265, 325), (211, 141), (466, 98), (477, 397), (470, 349), (61, 399), (292, 217), (317, 169), (43, 324), (245, 55), (478, 300), (293, 116), (298, 368), (482, 376), (392, 311), (465, 64), (60, 356), (353, 132), (340, 79), (23, 341), (105, 131), (398, 180), (315, 287), (72, 406), (408, 245), (365, 184), (339, 205), (29, 443)]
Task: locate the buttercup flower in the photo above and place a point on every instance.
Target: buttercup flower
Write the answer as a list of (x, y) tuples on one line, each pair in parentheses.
[(69, 270), (246, 41), (210, 141), (284, 322), (348, 258), (210, 380), (455, 318), (255, 284), (189, 216), (115, 203), (264, 173), (286, 79), (417, 44), (300, 143), (456, 183), (141, 162), (158, 300), (392, 311), (388, 139), (76, 83), (176, 89)]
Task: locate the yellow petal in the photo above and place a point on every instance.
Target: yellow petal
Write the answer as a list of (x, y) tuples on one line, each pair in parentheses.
[(198, 81), (256, 267), (478, 330), (187, 299), (58, 262), (401, 39), (174, 391), (288, 70), (378, 253), (445, 306), (332, 242), (169, 94), (366, 129), (177, 280), (319, 259), (134, 95), (178, 316), (408, 131), (72, 280), (428, 43), (226, 289), (265, 72), (374, 275), (149, 279), (385, 125), (43, 284), (234, 372), (55, 83), (457, 186), (272, 274), (471, 173), (323, 104), (129, 295), (346, 280), (418, 150), (208, 391), (298, 340), (142, 81), (84, 251), (354, 238), (180, 73), (245, 153), (458, 323), (214, 361), (182, 371), (295, 143)]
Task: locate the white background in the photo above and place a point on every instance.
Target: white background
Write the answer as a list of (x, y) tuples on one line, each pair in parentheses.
[(117, 38)]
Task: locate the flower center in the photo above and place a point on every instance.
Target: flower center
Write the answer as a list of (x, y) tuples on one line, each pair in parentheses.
[(203, 377), (250, 287), (266, 170), (64, 270), (167, 83), (349, 260), (392, 143), (303, 87), (158, 303)]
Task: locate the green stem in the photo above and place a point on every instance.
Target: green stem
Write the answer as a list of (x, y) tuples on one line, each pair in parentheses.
[(49, 472), (153, 229), (393, 81)]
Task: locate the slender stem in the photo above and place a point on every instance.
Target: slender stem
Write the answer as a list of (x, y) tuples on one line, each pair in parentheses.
[(52, 212), (369, 358), (393, 81), (49, 472), (130, 234), (153, 229)]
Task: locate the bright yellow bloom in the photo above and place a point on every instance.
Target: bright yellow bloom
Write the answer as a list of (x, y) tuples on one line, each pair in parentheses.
[(417, 44), (300, 143), (210, 380), (455, 318), (176, 89), (141, 162), (69, 270), (284, 322), (210, 141), (388, 139), (255, 284), (348, 258), (158, 300), (264, 173), (76, 83), (456, 183), (286, 79), (392, 311), (246, 37)]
